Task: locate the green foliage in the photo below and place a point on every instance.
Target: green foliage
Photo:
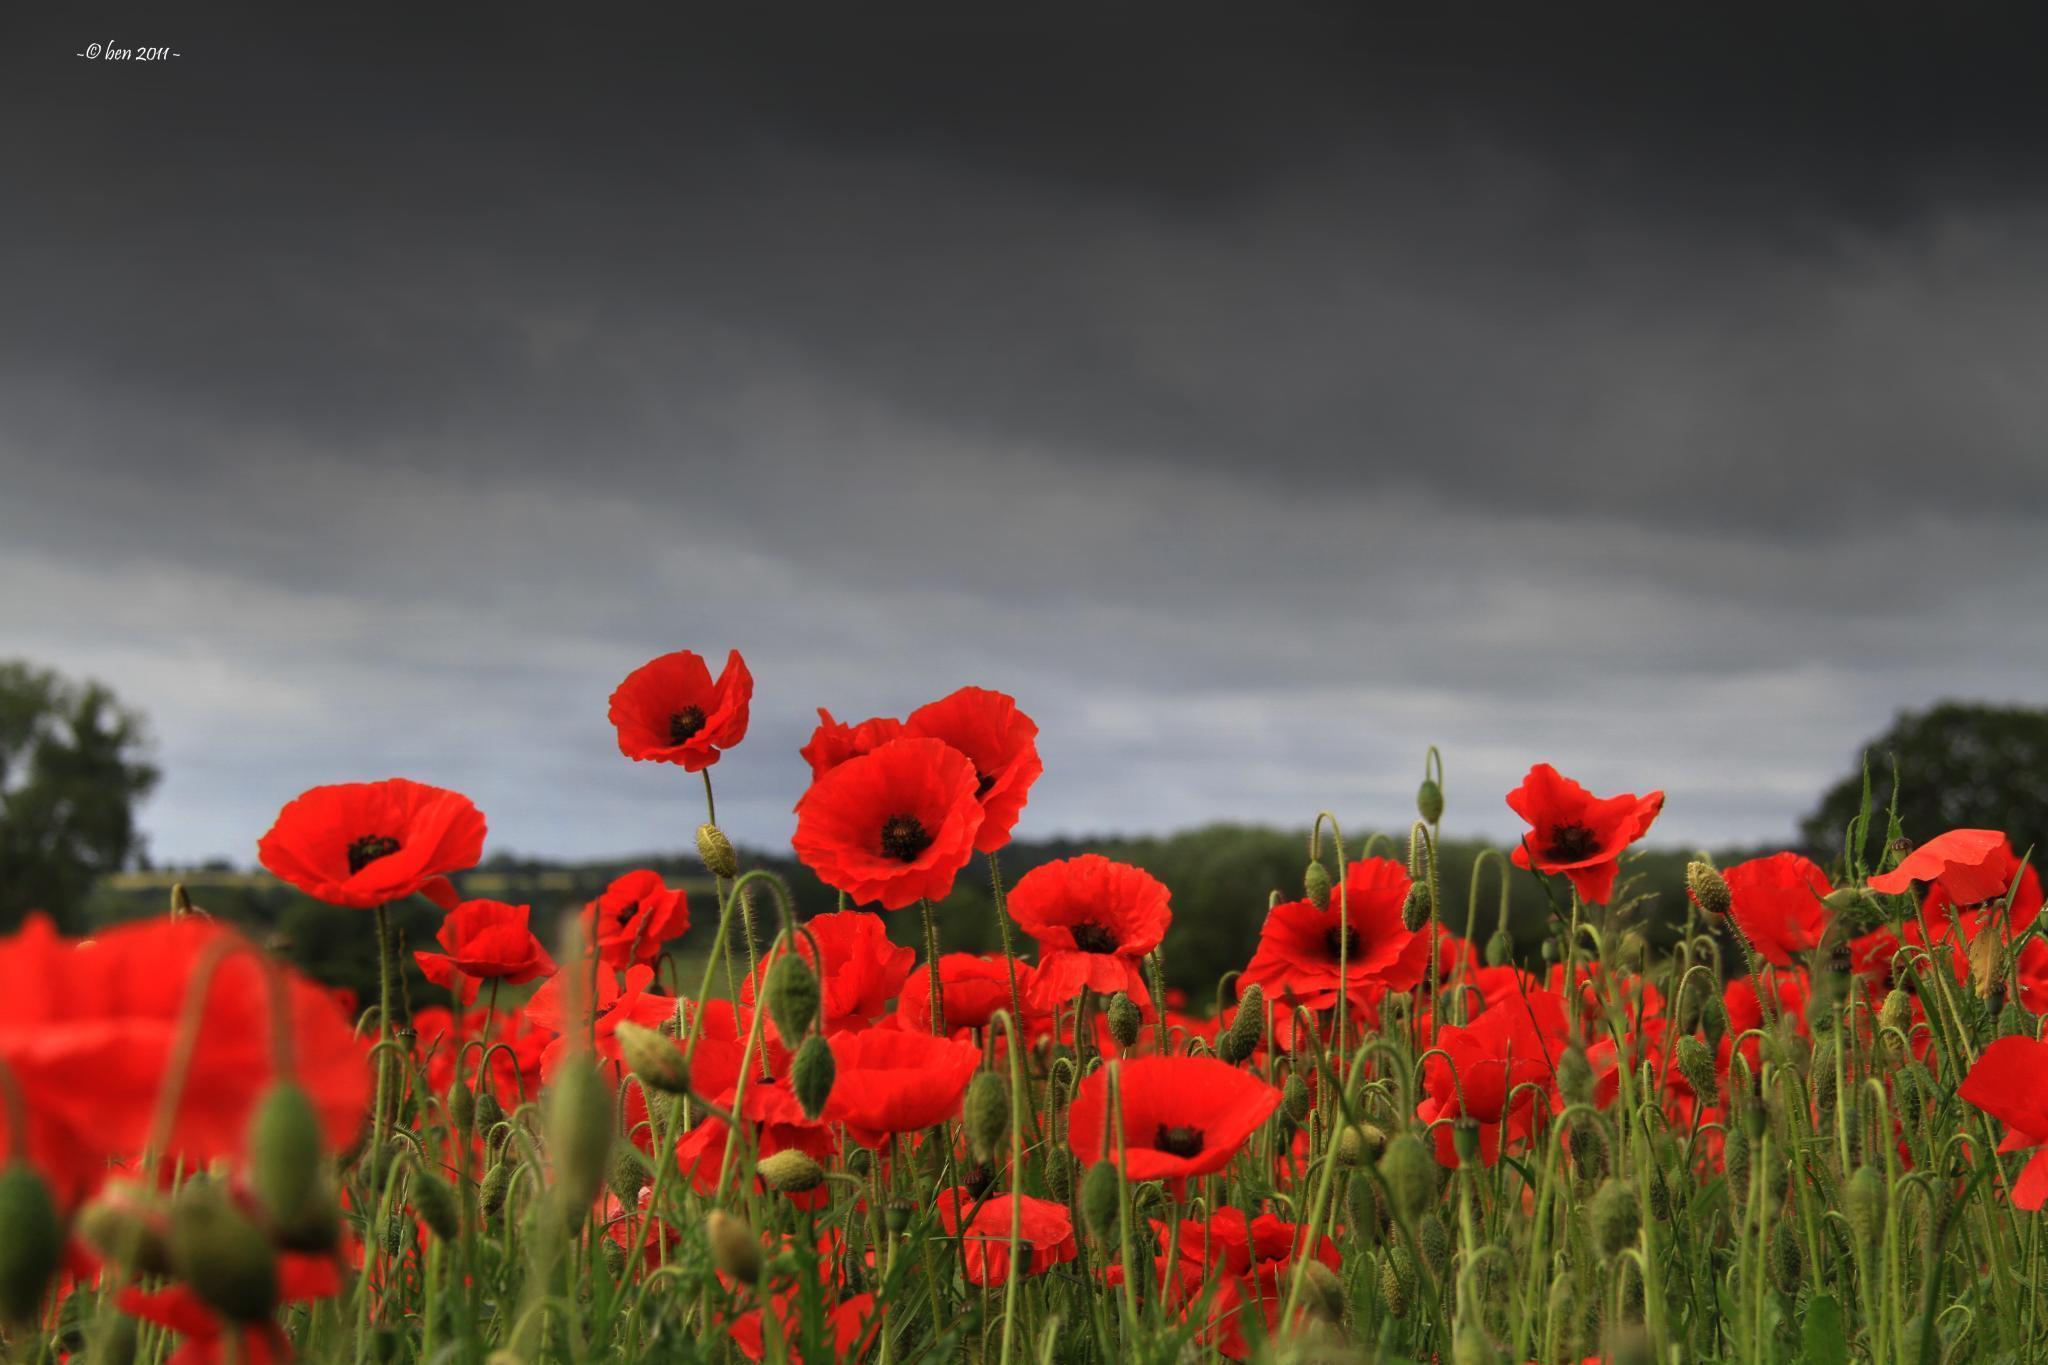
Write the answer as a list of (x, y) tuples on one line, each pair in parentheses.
[(71, 772), (1961, 766)]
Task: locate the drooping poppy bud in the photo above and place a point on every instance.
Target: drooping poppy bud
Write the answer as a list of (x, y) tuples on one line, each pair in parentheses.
[(31, 1241), (1575, 1076), (1709, 889), (1415, 909), (1360, 1143), (1863, 1201), (1125, 1020), (1100, 1203), (284, 1144), (1315, 885), (1247, 1032), (790, 1171), (579, 1130), (1059, 1173), (1294, 1098), (1396, 1277), (1410, 1173), (461, 1103), (222, 1255), (1435, 1239), (653, 1057), (628, 1174), (813, 1074), (1617, 1218), (1429, 801), (1696, 1065), (986, 1115), (1787, 1262), (1321, 1293), (1500, 949), (497, 1183), (435, 1202), (735, 1249), (716, 851), (793, 996)]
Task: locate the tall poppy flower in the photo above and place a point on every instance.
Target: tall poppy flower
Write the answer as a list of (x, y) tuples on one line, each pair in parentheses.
[(972, 987), (1483, 1069), (1966, 863), (859, 969), (834, 741), (852, 1325), (361, 844), (1776, 903), (1045, 1233), (1002, 743), (1093, 919), (1298, 956), (635, 916), (623, 997), (669, 710), (485, 940), (1576, 833), (2007, 1084), (894, 826), (895, 1082), (1181, 1116), (1953, 894)]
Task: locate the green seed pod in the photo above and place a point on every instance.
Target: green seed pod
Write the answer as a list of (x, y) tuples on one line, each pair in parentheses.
[(222, 1255), (1617, 1218), (1575, 1076), (1100, 1203), (716, 851), (497, 1184), (1315, 885), (437, 1205), (1321, 1293), (896, 1215), (1435, 1239), (284, 1146), (790, 1171), (793, 994), (1410, 1173), (1786, 1259), (1465, 1141), (654, 1058), (986, 1115), (1294, 1098), (1429, 801), (31, 1242), (1415, 910), (579, 1131), (1696, 1065), (812, 1075), (1709, 889), (628, 1174), (1863, 1205), (1396, 1281), (735, 1249), (1500, 949), (1125, 1019)]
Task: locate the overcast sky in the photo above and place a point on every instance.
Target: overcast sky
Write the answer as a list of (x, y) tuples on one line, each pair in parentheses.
[(1258, 394)]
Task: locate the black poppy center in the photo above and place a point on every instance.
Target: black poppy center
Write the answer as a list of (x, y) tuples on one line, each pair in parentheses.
[(684, 724), (1091, 937), (1179, 1140), (982, 782), (369, 849), (1343, 943), (1572, 843), (904, 838)]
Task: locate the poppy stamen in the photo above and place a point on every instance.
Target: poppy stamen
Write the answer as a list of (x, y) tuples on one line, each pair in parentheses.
[(1090, 937), (369, 849), (1181, 1140), (1572, 843), (982, 782), (1343, 943), (684, 724), (904, 838)]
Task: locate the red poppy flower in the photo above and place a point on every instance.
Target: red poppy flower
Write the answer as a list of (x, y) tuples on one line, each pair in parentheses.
[(209, 1338), (1093, 919), (361, 844), (1182, 1116), (1965, 862), (1576, 833), (1002, 743), (894, 826), (2001, 868), (485, 940), (861, 970), (1776, 903), (88, 1028), (852, 1323), (833, 742), (1046, 1233), (517, 1045), (1297, 957), (1746, 1012), (895, 1082), (2007, 1083), (1489, 1062), (669, 710), (972, 987), (635, 916), (621, 998)]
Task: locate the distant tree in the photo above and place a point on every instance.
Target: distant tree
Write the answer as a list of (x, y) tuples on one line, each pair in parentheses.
[(71, 772), (1960, 766)]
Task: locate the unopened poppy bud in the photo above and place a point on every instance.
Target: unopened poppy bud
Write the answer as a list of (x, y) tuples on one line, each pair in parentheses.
[(1429, 801), (1863, 1201), (579, 1130), (1100, 1203), (31, 1242), (1321, 1294), (1500, 949), (986, 1115), (812, 1075), (860, 1163), (716, 851), (1435, 1239), (1059, 1174), (792, 993), (735, 1250), (1617, 1218), (1842, 898), (284, 1144), (489, 1113), (653, 1058), (1247, 1033), (1294, 1098), (461, 1103), (435, 1202), (222, 1255), (790, 1171), (1786, 1260), (1575, 1076), (497, 1183), (1396, 1276), (1360, 1143), (395, 1229), (1415, 910), (181, 900), (1696, 1065), (1709, 889), (1465, 1141), (1897, 1010), (1315, 885), (1410, 1173), (117, 1231), (1125, 1020), (628, 1174)]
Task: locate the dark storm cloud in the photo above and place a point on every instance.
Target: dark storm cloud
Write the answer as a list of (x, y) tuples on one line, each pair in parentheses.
[(1249, 393)]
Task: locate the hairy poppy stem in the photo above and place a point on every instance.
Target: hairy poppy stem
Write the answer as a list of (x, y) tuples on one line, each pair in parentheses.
[(931, 957)]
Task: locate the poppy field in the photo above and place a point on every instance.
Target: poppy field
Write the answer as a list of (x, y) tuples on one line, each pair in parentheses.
[(1801, 1118)]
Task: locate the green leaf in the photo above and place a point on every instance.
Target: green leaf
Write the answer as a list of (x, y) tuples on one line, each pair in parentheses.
[(1824, 1343)]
